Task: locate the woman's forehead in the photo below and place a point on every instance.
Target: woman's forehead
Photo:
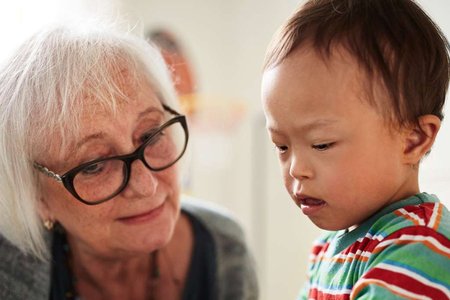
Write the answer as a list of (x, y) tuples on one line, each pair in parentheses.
[(123, 82), (126, 85), (96, 112)]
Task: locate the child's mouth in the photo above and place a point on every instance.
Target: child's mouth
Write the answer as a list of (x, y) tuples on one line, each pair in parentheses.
[(308, 204)]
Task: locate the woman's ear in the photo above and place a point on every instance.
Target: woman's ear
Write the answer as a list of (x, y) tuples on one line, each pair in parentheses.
[(418, 141), (45, 213), (44, 210)]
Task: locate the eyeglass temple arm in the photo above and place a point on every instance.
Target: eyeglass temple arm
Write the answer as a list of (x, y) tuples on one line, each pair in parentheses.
[(47, 172), (172, 111)]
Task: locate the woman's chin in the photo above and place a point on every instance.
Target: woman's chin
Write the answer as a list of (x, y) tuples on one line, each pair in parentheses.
[(135, 245), (145, 238)]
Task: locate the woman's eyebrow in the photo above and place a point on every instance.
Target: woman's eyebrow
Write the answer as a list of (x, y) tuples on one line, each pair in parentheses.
[(151, 109), (100, 135), (84, 140), (93, 136)]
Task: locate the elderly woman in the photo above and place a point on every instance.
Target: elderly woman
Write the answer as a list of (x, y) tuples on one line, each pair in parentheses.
[(90, 143)]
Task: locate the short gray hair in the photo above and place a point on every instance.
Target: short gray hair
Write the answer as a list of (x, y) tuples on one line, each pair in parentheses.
[(41, 93)]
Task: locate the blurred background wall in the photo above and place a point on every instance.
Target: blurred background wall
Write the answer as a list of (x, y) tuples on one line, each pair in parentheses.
[(230, 161)]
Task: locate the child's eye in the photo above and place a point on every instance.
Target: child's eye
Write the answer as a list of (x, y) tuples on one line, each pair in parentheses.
[(281, 149), (322, 147)]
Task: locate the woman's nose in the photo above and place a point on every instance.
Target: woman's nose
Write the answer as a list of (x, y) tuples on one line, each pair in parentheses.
[(142, 182)]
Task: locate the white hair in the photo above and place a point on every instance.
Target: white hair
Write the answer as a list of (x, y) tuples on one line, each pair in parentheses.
[(42, 92)]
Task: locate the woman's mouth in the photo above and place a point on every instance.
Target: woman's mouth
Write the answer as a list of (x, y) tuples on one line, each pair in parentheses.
[(143, 217)]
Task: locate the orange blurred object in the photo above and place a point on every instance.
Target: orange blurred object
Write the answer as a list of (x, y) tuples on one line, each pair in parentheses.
[(179, 66)]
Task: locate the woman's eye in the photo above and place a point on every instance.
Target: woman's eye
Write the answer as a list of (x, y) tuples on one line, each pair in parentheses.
[(322, 147), (148, 135), (154, 137), (93, 169)]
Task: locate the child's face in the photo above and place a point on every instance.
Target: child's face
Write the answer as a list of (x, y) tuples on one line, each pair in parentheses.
[(341, 162)]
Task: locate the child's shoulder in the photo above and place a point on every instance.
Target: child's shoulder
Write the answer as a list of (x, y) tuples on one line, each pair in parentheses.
[(420, 220), (423, 218), (409, 252)]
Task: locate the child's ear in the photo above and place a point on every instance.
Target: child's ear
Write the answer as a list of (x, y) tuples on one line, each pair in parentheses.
[(418, 141)]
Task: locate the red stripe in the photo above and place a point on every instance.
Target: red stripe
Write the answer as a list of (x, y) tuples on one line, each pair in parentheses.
[(423, 211), (366, 244), (420, 231), (405, 282), (319, 295), (319, 248)]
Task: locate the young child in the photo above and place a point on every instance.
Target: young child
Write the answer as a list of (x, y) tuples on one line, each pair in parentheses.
[(353, 93)]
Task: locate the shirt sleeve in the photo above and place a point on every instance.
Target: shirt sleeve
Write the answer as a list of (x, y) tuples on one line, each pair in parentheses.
[(412, 263)]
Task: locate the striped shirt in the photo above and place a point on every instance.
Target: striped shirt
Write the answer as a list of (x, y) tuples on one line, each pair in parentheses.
[(402, 252)]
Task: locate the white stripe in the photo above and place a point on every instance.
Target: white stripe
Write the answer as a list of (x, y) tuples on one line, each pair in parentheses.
[(393, 288), (377, 237), (430, 239), (412, 215), (434, 215), (416, 238), (353, 255), (318, 243), (416, 276), (385, 243)]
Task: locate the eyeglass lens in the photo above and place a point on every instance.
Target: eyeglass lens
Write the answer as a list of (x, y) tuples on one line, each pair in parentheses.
[(101, 180)]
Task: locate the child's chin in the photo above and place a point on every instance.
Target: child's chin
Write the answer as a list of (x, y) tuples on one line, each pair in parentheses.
[(327, 225)]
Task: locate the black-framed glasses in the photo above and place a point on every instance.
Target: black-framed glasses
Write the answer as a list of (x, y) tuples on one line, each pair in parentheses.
[(102, 179)]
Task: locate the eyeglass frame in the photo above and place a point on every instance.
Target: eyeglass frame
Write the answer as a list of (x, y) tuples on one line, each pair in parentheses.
[(67, 178)]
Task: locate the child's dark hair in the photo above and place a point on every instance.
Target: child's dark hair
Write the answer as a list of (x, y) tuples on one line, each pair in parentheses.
[(393, 39)]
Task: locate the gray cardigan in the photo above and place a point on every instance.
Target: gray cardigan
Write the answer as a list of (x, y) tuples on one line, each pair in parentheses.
[(24, 277)]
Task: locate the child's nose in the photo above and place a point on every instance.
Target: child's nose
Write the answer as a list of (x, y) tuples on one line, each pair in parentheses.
[(300, 169)]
